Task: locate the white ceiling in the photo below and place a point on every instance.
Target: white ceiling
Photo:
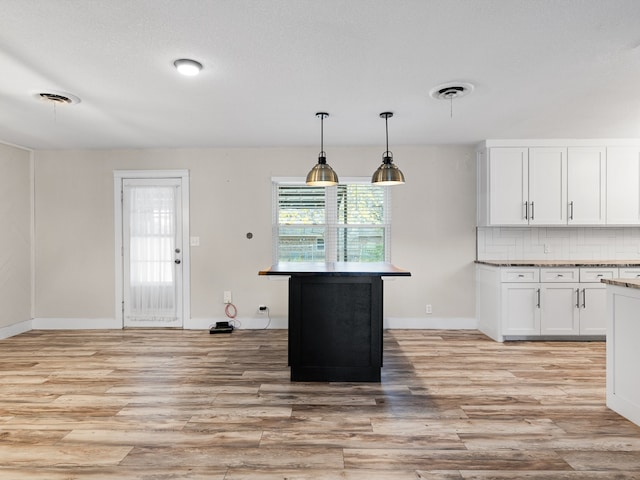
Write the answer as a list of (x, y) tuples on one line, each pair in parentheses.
[(541, 69)]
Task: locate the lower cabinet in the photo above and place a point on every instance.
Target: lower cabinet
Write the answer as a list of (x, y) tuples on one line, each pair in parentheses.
[(542, 302)]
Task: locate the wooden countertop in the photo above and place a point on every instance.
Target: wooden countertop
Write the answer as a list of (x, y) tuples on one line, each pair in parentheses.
[(335, 269), (561, 263)]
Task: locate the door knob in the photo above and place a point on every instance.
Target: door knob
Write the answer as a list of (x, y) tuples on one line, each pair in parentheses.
[(177, 261)]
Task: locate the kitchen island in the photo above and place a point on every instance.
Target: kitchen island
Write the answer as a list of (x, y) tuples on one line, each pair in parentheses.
[(335, 319), (623, 354)]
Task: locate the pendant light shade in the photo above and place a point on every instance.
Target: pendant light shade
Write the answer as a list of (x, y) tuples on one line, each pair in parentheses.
[(322, 175), (387, 173)]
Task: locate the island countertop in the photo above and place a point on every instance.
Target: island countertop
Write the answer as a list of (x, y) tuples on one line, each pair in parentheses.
[(561, 263), (336, 269), (622, 282)]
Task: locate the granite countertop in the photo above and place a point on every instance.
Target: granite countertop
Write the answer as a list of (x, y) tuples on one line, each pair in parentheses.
[(561, 263), (622, 282)]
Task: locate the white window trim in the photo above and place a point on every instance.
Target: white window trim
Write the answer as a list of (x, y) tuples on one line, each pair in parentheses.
[(331, 213)]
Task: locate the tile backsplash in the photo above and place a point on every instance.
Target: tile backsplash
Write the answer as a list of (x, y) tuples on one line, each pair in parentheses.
[(558, 243)]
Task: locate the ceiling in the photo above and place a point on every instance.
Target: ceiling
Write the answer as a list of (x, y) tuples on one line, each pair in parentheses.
[(541, 69)]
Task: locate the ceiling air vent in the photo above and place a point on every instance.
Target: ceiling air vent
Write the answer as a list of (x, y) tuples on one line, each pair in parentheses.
[(58, 98)]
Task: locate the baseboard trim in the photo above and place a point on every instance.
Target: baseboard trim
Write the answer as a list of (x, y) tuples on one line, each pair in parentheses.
[(51, 323), (15, 329), (431, 323), (247, 323)]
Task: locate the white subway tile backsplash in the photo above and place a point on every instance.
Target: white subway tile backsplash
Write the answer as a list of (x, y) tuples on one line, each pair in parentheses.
[(563, 243)]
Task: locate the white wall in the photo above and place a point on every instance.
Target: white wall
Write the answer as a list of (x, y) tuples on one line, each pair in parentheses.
[(433, 233), (15, 238)]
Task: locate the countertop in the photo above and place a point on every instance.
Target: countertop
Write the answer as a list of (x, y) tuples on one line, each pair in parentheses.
[(336, 269), (561, 263), (622, 282)]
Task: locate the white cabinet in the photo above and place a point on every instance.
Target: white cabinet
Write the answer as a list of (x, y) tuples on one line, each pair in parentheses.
[(586, 175), (547, 186), (577, 184), (542, 302), (522, 186), (508, 186), (521, 309), (623, 185)]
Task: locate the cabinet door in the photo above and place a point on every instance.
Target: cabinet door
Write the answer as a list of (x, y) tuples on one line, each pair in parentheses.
[(623, 185), (520, 308), (593, 309), (559, 314), (547, 186), (508, 186), (586, 169)]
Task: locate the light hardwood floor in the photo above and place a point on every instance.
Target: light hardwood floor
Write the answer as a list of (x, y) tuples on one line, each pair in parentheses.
[(171, 404)]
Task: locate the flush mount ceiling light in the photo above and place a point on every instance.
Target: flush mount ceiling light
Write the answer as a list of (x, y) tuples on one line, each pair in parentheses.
[(450, 91), (387, 173), (322, 175), (188, 67)]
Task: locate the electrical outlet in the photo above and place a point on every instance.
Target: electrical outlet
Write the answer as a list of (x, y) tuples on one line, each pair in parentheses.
[(429, 309), (547, 248), (262, 309), (227, 296)]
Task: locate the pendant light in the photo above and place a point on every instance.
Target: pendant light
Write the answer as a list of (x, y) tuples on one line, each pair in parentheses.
[(322, 175), (387, 173)]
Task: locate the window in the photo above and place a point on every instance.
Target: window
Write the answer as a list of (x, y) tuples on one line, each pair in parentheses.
[(346, 223)]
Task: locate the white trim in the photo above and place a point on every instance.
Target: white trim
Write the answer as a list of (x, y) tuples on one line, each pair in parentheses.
[(51, 323), (32, 232), (248, 323), (431, 323), (15, 329), (560, 142), (118, 177)]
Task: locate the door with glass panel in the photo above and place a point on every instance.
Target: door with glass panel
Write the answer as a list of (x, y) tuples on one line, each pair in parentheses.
[(152, 252)]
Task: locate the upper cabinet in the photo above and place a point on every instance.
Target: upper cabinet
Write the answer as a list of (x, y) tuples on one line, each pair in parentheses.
[(623, 185), (586, 180), (524, 186), (558, 185)]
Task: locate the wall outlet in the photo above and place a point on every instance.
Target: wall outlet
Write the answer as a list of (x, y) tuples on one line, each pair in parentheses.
[(262, 309), (227, 296), (547, 248), (429, 309)]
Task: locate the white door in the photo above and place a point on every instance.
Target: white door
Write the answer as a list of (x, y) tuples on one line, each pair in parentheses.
[(547, 186), (623, 185), (508, 186), (586, 176), (152, 252), (521, 308), (593, 309), (559, 314)]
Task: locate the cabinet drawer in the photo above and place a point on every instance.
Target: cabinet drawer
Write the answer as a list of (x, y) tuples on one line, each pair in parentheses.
[(629, 273), (596, 274), (559, 274), (512, 275)]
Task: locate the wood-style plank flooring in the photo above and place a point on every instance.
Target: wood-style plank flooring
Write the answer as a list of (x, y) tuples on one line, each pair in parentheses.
[(172, 404)]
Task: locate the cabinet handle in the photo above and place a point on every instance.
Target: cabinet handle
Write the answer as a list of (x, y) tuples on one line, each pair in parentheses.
[(584, 298), (577, 298), (571, 210), (532, 210), (538, 305), (526, 210)]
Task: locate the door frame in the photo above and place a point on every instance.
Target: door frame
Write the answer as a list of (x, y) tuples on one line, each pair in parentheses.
[(118, 177)]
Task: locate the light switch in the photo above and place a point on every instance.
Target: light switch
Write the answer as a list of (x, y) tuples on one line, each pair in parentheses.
[(194, 241)]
